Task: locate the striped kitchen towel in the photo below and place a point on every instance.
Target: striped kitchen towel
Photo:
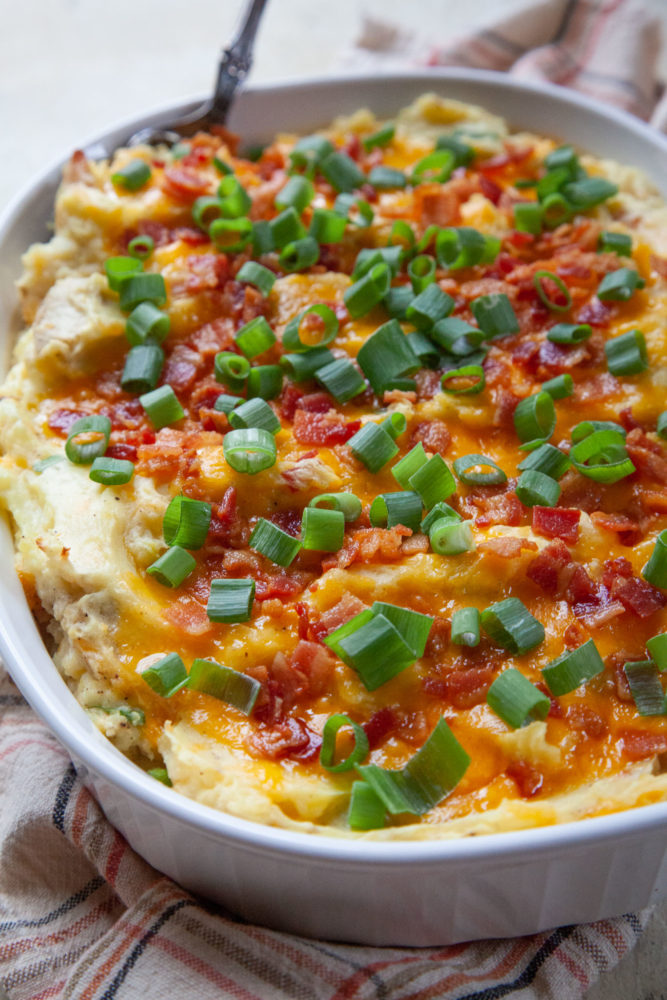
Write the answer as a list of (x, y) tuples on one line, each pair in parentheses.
[(82, 917)]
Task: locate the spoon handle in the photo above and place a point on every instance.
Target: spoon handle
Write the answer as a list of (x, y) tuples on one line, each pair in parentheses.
[(235, 63)]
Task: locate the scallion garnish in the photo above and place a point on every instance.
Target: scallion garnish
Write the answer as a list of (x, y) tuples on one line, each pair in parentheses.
[(373, 445), (535, 417), (141, 247), (409, 464), (138, 288), (494, 315), (328, 749), (162, 406), (463, 246), (236, 201), (626, 354), (300, 254), (231, 369), (548, 460), (367, 811), (655, 570), (368, 258), (264, 382), (386, 178), (645, 687), (327, 226), (387, 355), (661, 425), (657, 650), (516, 700), (464, 465), (569, 333), (160, 774), (167, 676), (231, 235), (425, 349), (88, 439), (611, 242), (620, 285), (433, 481), (382, 137), (297, 193), (322, 530), (262, 238), (556, 210), (341, 171), (436, 166), (456, 336), (429, 307), (186, 522), (465, 627), (466, 380), (146, 322), (569, 670), (559, 387), (589, 191), (437, 513), (354, 210), (534, 488), (119, 269), (173, 566), (111, 471), (255, 337), (366, 293), (274, 543), (528, 217), (510, 624), (421, 271), (318, 335), (538, 281), (586, 427), (389, 509), (227, 685), (254, 413), (249, 450), (347, 503), (309, 150), (601, 456), (143, 366), (230, 600), (341, 379), (450, 537), (303, 366), (206, 210), (463, 153), (286, 228), (132, 176)]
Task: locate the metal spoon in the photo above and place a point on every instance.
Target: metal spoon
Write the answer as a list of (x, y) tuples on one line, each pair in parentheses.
[(233, 68)]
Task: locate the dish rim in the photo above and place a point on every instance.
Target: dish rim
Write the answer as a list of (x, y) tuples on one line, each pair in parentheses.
[(103, 758)]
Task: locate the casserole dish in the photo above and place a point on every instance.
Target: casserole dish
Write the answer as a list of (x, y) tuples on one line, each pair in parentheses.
[(368, 880)]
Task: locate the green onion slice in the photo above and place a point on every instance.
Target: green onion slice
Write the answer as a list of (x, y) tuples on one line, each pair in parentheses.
[(230, 600), (386, 178), (160, 774), (655, 570), (657, 649), (366, 293), (255, 337), (403, 234), (510, 624), (602, 456), (132, 176), (429, 307), (235, 200), (516, 700), (465, 627), (620, 285), (368, 258), (227, 685), (162, 406), (389, 509), (143, 366), (231, 235), (494, 315), (589, 191), (409, 464), (141, 247), (206, 210), (645, 687), (538, 281), (464, 381), (167, 676), (367, 811), (111, 471), (387, 355), (264, 382), (118, 269), (441, 511), (373, 446), (611, 242), (661, 425), (586, 427), (456, 336), (284, 229), (464, 247), (421, 271), (327, 226), (300, 254), (569, 333), (466, 463), (559, 387), (626, 355), (463, 153), (382, 137), (568, 671), (146, 322), (347, 503), (231, 369), (249, 450), (341, 171), (322, 530), (186, 522), (536, 488), (328, 750), (341, 379), (138, 288), (535, 417), (262, 237), (274, 543), (433, 481), (88, 439), (297, 193), (303, 366), (254, 413), (528, 217), (318, 334), (449, 537), (548, 460), (173, 567), (354, 210), (436, 166)]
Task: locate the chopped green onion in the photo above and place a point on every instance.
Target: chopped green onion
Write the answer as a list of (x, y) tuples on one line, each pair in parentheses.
[(494, 315), (589, 192), (230, 600), (538, 281), (555, 210), (390, 509), (138, 288), (225, 404), (231, 235), (341, 379), (528, 217), (510, 624), (602, 456), (436, 166), (395, 424), (286, 228), (569, 670), (206, 210), (322, 530), (548, 460), (387, 355), (586, 427), (354, 210), (254, 413), (450, 538), (162, 406), (186, 522), (262, 238), (439, 512), (466, 373), (569, 333), (88, 439), (463, 153), (562, 158), (328, 749), (373, 446), (220, 165), (386, 178), (303, 366), (559, 387), (235, 200), (619, 286), (341, 171), (430, 774), (327, 226), (299, 255), (368, 258), (167, 676), (111, 471), (143, 366), (536, 488), (409, 464), (433, 481), (274, 543), (119, 269), (141, 247), (645, 687), (264, 381), (373, 647), (655, 570), (230, 686), (424, 348), (535, 417), (310, 150), (610, 242), (231, 369), (661, 425), (132, 176), (456, 336), (657, 649), (463, 247), (173, 566), (626, 355), (347, 503), (297, 193), (366, 293), (465, 627), (465, 463), (403, 234), (146, 322), (382, 137), (430, 306), (421, 271), (160, 774), (255, 337), (257, 275), (412, 625), (367, 811), (326, 329), (249, 450), (516, 700)]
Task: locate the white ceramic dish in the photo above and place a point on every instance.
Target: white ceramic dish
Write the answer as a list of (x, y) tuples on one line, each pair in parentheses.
[(389, 893)]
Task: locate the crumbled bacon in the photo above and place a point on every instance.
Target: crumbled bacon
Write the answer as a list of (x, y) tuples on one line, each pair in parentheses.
[(638, 745), (61, 421), (182, 368), (289, 738), (439, 636), (379, 726), (323, 428), (184, 184), (527, 778), (369, 545), (461, 688), (339, 614), (557, 522), (627, 529), (648, 456), (506, 546), (433, 434), (545, 569), (496, 505)]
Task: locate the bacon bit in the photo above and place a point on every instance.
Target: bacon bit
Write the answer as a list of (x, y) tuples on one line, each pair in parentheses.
[(304, 627), (527, 778), (638, 746), (496, 507), (491, 190), (506, 403), (339, 614), (323, 428), (61, 421), (209, 271), (598, 617), (369, 545), (77, 170), (520, 239), (659, 264), (289, 400), (315, 402), (184, 184), (555, 359), (213, 337), (428, 383), (224, 519), (186, 234), (288, 520), (379, 726), (506, 547), (574, 635), (598, 387), (627, 419), (188, 615), (182, 368), (126, 452), (398, 396), (595, 313), (639, 597), (557, 522), (316, 663), (629, 532), (653, 501), (433, 434), (545, 569), (438, 637), (412, 546), (438, 204), (463, 688), (290, 738), (301, 677), (581, 590), (578, 491), (648, 456)]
